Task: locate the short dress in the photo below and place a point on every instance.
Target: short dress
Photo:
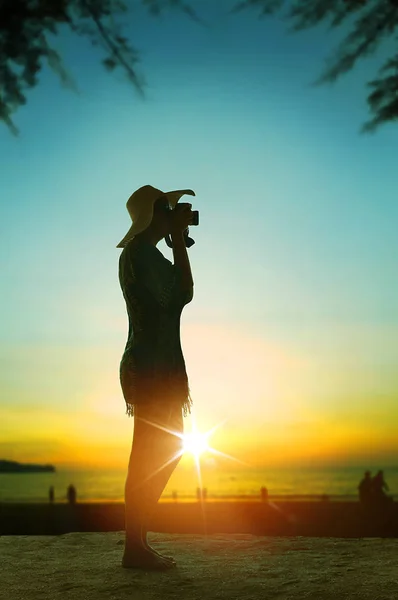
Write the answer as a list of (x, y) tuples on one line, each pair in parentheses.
[(152, 368)]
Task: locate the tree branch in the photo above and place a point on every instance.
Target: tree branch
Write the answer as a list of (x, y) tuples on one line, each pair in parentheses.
[(114, 48)]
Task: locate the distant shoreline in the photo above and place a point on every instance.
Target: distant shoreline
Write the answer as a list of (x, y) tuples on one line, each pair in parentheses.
[(12, 467)]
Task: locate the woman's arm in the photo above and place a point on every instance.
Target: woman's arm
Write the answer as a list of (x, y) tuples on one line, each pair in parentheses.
[(181, 259)]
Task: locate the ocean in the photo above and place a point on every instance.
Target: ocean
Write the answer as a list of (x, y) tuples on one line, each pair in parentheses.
[(95, 485)]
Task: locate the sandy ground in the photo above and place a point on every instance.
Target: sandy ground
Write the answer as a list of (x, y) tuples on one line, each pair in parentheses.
[(87, 566)]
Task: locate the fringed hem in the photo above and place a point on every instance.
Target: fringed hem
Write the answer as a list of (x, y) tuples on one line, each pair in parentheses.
[(186, 406), (129, 409)]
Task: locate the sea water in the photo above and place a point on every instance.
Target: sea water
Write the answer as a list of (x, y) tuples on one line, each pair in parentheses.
[(97, 485)]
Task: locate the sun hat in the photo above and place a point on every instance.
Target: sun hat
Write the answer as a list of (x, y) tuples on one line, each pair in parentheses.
[(140, 208)]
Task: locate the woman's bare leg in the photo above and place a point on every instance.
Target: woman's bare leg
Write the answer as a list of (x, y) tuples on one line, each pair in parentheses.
[(155, 454), (170, 450)]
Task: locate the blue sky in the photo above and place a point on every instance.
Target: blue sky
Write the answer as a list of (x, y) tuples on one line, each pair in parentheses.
[(295, 254)]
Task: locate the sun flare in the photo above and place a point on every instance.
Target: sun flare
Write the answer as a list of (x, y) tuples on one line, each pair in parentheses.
[(195, 443)]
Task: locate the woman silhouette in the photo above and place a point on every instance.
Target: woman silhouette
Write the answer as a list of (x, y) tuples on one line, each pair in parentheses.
[(152, 370)]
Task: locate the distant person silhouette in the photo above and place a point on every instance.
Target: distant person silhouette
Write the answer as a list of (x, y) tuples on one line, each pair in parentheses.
[(264, 494), (365, 489), (152, 370), (379, 485), (51, 494), (71, 494)]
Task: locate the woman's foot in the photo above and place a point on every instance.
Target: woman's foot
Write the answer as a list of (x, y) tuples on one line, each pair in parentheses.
[(138, 557), (144, 539), (162, 556), (152, 549)]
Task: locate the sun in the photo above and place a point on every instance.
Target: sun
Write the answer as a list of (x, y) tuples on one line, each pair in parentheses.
[(195, 443)]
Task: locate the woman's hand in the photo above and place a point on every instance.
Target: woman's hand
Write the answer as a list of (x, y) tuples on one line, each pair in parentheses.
[(180, 218)]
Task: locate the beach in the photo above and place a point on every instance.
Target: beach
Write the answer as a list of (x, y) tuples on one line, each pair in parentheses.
[(230, 566), (282, 518)]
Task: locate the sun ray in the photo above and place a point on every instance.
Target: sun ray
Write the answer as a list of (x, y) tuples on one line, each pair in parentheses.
[(176, 433), (163, 466), (199, 473), (214, 451), (213, 429)]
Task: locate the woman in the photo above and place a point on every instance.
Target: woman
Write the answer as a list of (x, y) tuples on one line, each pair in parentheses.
[(152, 370)]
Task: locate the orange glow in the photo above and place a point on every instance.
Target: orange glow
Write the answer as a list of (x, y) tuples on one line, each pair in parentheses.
[(282, 406)]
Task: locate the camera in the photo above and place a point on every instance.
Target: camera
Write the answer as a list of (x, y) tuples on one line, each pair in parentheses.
[(195, 213), (195, 221)]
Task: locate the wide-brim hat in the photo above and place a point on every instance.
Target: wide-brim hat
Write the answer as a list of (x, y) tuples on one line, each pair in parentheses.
[(140, 208)]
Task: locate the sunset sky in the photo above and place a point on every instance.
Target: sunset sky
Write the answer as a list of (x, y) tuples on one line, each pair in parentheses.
[(292, 332)]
